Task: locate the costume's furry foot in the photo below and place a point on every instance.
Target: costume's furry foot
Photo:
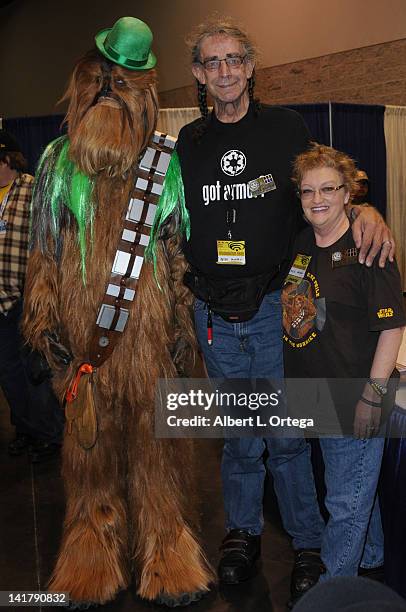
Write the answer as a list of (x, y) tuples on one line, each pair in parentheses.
[(175, 571), (184, 599), (81, 605), (91, 565)]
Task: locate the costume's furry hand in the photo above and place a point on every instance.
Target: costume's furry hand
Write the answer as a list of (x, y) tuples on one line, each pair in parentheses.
[(60, 353), (37, 366), (170, 226), (183, 357)]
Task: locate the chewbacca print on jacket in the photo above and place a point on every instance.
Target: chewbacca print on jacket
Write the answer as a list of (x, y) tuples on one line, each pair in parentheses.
[(129, 499)]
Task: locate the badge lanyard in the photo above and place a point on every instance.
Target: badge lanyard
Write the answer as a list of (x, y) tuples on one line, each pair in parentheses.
[(3, 224), (231, 217), (4, 204), (231, 251)]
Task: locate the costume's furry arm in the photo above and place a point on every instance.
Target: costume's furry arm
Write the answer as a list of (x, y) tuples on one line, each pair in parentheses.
[(40, 324), (170, 226), (185, 346)]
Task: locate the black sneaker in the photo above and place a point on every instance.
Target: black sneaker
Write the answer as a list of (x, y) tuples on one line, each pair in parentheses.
[(20, 444), (306, 572), (239, 551), (41, 451)]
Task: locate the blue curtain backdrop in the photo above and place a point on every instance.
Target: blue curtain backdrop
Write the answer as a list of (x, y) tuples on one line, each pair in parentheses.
[(357, 129), (33, 134), (316, 117)]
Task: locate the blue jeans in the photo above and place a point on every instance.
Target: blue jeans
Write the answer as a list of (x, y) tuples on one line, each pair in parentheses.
[(34, 409), (353, 534), (253, 349)]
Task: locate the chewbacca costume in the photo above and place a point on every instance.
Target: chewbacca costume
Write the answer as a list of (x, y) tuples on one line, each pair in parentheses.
[(128, 495)]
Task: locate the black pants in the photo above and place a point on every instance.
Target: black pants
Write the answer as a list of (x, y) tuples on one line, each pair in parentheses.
[(34, 409)]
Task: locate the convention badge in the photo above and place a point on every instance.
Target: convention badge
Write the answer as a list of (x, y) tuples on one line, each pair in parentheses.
[(231, 252), (3, 226), (298, 269), (261, 185), (344, 258)]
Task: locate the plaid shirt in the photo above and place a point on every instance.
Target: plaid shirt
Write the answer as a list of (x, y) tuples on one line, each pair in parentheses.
[(14, 242)]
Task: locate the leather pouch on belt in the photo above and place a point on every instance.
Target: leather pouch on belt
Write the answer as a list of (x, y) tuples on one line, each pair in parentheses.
[(80, 411)]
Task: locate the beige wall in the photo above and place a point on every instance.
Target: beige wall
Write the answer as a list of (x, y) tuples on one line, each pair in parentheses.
[(284, 30), (370, 75), (40, 40)]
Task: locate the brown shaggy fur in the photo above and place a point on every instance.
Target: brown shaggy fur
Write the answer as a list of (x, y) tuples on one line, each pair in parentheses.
[(129, 498)]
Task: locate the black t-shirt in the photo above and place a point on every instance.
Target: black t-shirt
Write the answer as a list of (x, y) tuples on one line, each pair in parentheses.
[(333, 317), (215, 174)]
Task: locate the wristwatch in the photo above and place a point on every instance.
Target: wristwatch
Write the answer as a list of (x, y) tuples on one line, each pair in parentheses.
[(381, 390)]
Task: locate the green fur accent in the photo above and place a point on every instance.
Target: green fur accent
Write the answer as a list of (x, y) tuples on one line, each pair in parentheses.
[(171, 201), (60, 183)]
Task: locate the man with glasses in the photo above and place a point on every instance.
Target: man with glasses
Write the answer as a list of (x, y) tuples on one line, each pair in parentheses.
[(239, 251)]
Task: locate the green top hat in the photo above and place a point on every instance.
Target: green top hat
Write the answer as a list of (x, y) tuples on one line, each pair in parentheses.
[(127, 43)]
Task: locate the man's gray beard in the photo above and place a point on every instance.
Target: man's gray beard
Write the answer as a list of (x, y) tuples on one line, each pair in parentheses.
[(224, 107)]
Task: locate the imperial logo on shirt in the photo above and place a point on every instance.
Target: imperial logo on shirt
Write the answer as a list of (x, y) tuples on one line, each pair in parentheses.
[(233, 162), (384, 313)]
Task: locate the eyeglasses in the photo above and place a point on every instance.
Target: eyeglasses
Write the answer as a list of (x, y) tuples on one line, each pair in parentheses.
[(232, 61), (325, 192)]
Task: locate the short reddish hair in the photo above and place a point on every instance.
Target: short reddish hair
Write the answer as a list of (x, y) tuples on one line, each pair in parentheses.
[(321, 156)]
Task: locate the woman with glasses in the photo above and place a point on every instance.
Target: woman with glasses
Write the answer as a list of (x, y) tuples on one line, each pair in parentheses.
[(342, 321)]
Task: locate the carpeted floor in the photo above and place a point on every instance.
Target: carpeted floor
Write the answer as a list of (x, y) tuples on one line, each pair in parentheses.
[(31, 515)]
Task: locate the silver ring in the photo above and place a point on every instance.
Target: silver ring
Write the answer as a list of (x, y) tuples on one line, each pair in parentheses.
[(387, 242)]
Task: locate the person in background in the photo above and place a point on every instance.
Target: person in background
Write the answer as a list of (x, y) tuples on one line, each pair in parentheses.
[(239, 252), (353, 333), (361, 187), (34, 410)]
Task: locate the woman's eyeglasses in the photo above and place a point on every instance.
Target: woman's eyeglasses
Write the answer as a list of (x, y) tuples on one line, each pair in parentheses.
[(325, 192)]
